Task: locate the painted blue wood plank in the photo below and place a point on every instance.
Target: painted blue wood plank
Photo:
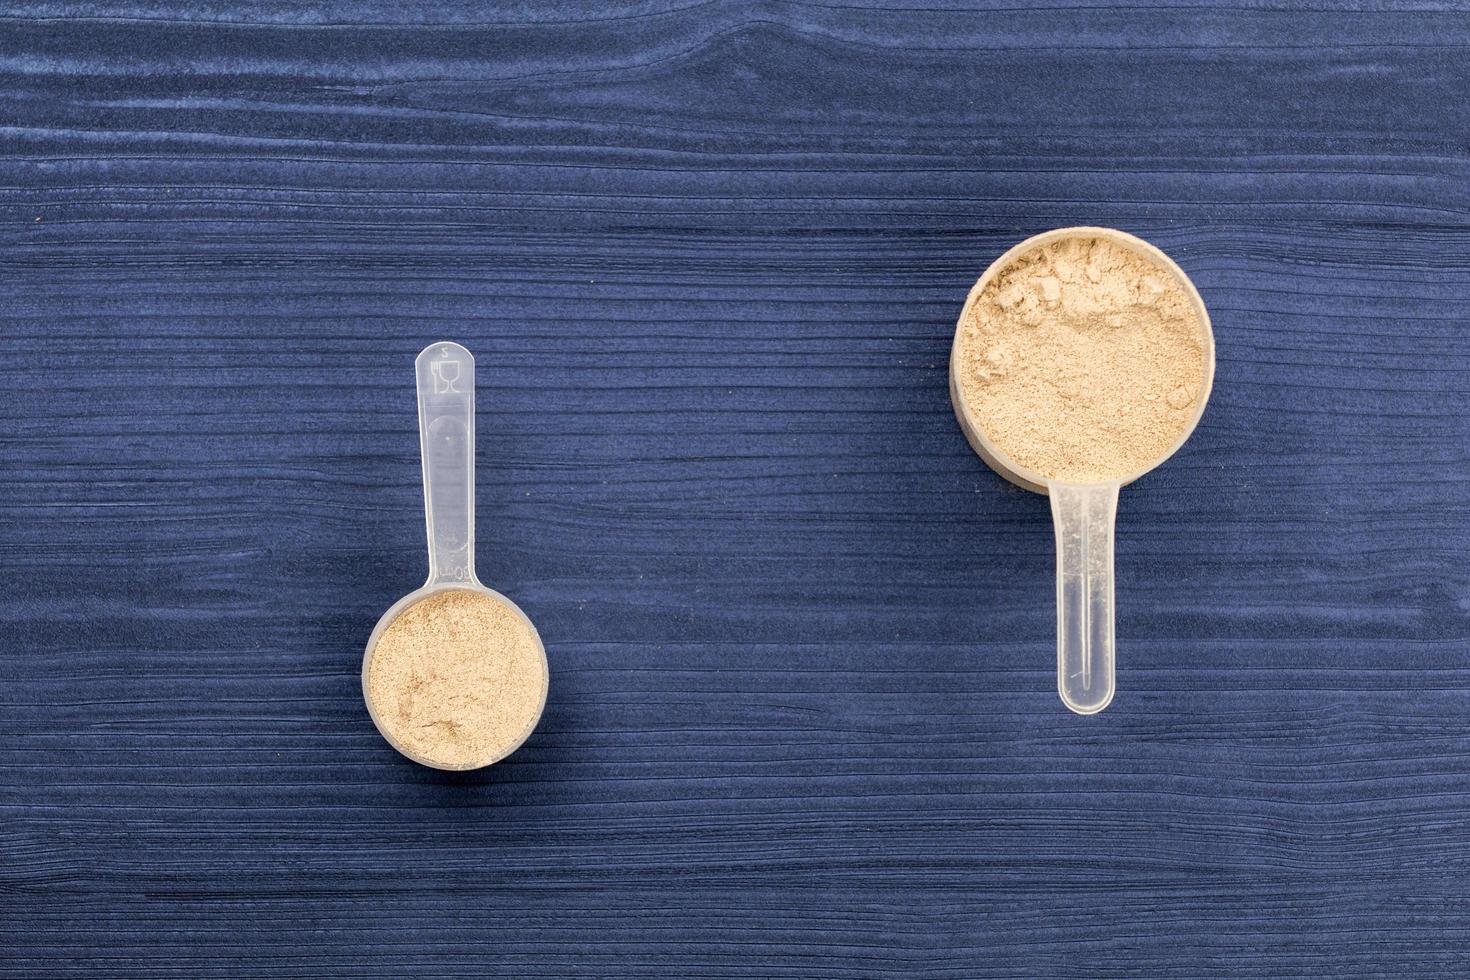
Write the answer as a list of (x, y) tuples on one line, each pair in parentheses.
[(709, 257)]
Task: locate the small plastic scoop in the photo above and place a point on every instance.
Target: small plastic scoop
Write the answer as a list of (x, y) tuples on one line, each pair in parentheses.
[(1082, 514), (446, 397)]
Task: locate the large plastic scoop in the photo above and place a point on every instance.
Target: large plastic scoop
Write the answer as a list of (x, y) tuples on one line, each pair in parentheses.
[(446, 398), (1083, 514)]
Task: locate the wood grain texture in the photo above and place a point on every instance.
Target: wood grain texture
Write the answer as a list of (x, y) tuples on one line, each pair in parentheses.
[(803, 720)]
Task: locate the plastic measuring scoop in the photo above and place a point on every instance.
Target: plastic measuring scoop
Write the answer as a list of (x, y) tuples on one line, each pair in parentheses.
[(446, 397), (1082, 514)]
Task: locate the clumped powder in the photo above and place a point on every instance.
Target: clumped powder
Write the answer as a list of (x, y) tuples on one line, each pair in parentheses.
[(458, 679), (1081, 360)]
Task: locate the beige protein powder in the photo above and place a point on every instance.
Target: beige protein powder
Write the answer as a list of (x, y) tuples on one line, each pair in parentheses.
[(1082, 360), (457, 679)]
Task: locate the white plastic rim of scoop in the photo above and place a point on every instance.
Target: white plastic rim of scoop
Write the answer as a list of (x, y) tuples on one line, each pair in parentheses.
[(446, 395), (1082, 515)]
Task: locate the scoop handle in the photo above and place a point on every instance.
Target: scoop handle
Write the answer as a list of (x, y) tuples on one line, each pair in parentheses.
[(446, 386), (1083, 516)]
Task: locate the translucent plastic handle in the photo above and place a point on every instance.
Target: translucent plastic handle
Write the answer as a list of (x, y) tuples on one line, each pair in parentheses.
[(446, 381), (1083, 516)]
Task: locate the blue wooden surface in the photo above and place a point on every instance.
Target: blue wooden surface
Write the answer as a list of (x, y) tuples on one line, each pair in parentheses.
[(803, 719)]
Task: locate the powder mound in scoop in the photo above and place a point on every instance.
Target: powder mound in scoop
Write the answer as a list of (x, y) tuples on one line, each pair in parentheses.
[(1081, 360), (457, 679)]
